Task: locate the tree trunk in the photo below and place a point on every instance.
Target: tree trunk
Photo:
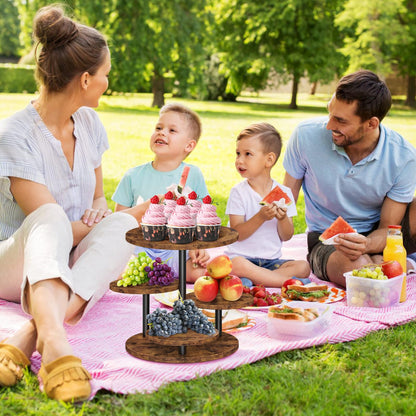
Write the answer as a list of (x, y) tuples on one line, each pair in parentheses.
[(295, 85), (158, 90), (411, 91), (313, 88)]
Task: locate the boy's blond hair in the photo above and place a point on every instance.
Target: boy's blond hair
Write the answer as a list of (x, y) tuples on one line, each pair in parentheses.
[(192, 118), (268, 136)]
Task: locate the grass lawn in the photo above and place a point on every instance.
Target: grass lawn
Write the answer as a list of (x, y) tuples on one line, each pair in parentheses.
[(371, 376)]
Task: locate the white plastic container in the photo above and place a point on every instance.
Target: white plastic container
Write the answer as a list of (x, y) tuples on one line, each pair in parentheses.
[(373, 293), (283, 328)]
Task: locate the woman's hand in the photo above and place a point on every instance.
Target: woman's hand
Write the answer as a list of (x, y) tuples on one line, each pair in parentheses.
[(93, 216)]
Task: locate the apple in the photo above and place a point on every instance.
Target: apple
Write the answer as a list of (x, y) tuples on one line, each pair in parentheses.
[(206, 288), (288, 282), (231, 287), (391, 268), (219, 267)]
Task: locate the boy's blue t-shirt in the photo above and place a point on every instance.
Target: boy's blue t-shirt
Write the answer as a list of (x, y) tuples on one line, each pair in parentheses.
[(144, 181)]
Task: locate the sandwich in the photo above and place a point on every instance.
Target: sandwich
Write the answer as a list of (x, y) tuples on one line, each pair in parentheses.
[(232, 318), (294, 314), (309, 293)]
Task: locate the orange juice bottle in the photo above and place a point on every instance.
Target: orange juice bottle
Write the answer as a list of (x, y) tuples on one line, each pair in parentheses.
[(395, 250)]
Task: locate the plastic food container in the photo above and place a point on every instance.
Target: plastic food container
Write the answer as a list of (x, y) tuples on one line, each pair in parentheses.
[(373, 293), (283, 328)]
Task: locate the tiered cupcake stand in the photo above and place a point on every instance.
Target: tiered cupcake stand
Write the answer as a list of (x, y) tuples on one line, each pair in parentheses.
[(190, 347)]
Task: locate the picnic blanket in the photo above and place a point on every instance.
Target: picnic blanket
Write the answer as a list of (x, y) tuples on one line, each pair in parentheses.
[(99, 339)]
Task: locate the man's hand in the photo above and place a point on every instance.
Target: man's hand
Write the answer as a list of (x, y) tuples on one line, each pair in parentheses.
[(351, 245)]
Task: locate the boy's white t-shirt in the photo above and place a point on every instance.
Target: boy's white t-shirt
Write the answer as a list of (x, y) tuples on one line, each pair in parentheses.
[(265, 242)]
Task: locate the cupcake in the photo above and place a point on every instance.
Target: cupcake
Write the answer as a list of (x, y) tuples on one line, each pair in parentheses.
[(194, 203), (154, 221), (208, 223), (170, 204), (181, 224)]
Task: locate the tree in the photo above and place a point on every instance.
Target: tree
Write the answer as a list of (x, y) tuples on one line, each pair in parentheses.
[(296, 38), (150, 40), (367, 43), (407, 52), (9, 28)]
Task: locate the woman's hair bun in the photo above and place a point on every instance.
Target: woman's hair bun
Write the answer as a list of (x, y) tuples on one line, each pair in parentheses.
[(52, 28)]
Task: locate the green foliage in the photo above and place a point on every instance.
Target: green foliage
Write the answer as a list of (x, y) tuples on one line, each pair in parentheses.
[(9, 28), (367, 43), (17, 78), (294, 37)]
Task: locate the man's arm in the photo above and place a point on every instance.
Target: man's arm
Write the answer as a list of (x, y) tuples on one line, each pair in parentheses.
[(293, 184), (392, 213)]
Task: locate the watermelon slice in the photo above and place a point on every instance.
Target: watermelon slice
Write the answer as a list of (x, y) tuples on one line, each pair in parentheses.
[(184, 177), (339, 226), (276, 194)]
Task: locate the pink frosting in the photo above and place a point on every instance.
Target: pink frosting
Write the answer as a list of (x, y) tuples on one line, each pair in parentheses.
[(154, 215), (195, 206), (182, 217), (207, 215), (170, 205)]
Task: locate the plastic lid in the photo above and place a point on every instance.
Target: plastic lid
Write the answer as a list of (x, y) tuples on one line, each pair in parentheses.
[(395, 227)]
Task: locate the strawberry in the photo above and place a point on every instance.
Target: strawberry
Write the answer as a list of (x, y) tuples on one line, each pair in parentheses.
[(255, 289), (260, 294), (255, 300), (169, 195), (246, 289), (207, 199), (262, 302), (154, 199), (181, 200), (270, 300), (192, 195)]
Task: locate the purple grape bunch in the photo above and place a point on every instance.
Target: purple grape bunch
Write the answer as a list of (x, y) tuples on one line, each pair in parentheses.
[(161, 274)]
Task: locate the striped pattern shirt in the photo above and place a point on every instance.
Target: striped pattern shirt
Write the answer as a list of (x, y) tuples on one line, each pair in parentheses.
[(28, 150)]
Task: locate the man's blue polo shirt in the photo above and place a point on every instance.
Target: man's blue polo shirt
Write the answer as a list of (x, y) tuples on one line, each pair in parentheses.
[(333, 186)]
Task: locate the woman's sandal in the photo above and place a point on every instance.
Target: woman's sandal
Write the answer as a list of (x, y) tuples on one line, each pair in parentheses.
[(65, 379), (12, 362)]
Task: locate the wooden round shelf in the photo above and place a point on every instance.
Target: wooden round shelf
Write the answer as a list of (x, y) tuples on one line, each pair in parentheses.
[(145, 349), (144, 289), (227, 236), (220, 303), (189, 338)]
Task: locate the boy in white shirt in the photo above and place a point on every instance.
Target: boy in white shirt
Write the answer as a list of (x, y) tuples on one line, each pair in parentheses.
[(257, 253)]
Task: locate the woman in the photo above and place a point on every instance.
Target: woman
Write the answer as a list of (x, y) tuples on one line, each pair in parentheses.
[(59, 245)]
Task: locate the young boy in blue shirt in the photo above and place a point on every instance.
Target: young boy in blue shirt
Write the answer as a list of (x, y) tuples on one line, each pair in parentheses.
[(175, 136), (257, 253)]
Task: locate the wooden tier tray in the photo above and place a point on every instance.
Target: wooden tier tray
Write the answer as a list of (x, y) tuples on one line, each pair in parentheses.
[(145, 349), (220, 303), (144, 289), (227, 236), (189, 338)]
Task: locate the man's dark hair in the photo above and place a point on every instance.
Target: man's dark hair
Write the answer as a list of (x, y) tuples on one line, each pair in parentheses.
[(371, 93)]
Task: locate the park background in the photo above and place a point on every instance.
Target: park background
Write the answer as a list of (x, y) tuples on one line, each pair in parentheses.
[(237, 62)]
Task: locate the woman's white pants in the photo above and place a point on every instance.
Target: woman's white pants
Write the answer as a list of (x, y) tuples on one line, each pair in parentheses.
[(42, 249)]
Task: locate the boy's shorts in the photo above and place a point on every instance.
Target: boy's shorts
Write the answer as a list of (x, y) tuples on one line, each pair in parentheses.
[(270, 264), (318, 253)]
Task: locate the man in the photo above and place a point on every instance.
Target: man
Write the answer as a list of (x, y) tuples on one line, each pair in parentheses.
[(351, 165)]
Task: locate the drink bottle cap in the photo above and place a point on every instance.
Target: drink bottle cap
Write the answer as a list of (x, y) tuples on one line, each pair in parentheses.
[(395, 227)]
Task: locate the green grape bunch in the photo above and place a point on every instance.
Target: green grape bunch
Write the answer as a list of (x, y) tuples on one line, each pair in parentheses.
[(137, 270), (370, 272)]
